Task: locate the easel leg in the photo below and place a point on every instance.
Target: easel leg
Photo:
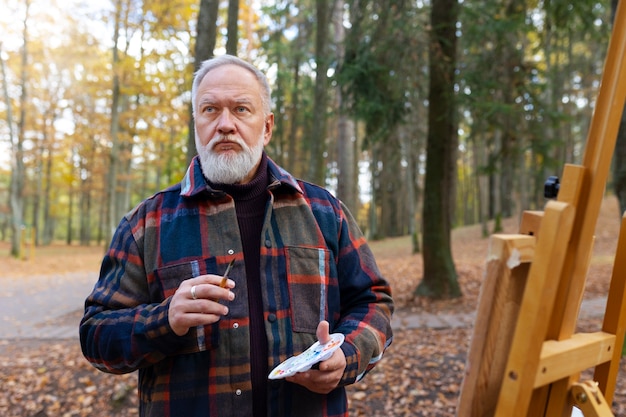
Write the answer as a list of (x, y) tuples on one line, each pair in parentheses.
[(615, 317)]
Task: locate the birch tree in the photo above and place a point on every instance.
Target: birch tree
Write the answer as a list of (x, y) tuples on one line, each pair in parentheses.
[(18, 173)]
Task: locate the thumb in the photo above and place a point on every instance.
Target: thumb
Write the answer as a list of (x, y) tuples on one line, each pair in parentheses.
[(322, 333)]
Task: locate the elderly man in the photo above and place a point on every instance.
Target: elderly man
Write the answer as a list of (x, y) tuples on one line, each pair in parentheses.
[(204, 340)]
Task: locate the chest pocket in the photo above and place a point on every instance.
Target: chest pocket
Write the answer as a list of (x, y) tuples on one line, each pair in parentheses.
[(166, 280), (307, 277), (163, 284)]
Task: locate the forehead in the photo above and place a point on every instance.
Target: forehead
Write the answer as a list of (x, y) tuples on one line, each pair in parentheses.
[(230, 81)]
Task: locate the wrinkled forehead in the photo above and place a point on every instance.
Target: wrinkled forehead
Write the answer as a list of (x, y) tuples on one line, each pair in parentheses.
[(232, 80), (232, 74)]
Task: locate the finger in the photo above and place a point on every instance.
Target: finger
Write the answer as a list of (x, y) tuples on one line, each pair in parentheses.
[(205, 306), (210, 279), (189, 313), (323, 332), (198, 319), (210, 292)]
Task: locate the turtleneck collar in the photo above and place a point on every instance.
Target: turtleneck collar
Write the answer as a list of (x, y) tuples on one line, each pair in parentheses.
[(249, 191)]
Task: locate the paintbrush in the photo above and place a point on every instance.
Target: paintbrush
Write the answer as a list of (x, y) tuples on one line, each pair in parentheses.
[(225, 277)]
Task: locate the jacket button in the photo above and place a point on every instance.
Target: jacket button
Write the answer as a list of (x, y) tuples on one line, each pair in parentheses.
[(235, 325), (271, 317), (231, 251), (268, 243), (237, 392)]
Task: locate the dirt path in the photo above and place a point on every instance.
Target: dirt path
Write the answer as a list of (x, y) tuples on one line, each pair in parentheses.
[(43, 307)]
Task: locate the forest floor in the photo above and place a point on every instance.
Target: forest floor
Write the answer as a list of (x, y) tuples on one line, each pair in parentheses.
[(420, 375)]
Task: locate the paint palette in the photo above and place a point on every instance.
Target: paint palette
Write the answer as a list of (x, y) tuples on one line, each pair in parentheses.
[(304, 361)]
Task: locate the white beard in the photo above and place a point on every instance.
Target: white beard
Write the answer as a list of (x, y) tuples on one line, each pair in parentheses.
[(228, 168)]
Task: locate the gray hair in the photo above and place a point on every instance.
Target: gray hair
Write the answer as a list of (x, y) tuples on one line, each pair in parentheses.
[(221, 60)]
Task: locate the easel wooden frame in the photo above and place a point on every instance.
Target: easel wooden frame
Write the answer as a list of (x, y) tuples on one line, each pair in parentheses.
[(525, 357)]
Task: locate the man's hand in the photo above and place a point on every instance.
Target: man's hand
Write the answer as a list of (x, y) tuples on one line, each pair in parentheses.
[(327, 377), (196, 302)]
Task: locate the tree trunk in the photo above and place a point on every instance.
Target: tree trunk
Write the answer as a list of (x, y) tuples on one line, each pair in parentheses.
[(440, 277), (85, 202), (412, 189), (5, 94), (482, 182), (317, 139), (18, 171), (495, 189), (373, 232), (415, 143), (233, 28), (39, 175), (125, 177), (347, 185), (48, 222), (206, 37), (392, 197), (70, 213), (111, 186), (294, 110)]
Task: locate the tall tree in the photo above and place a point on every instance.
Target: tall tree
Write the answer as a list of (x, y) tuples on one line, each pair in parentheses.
[(375, 82), (294, 60), (347, 184), (317, 173), (18, 172), (440, 277), (10, 127), (232, 39), (114, 153), (511, 62), (206, 38)]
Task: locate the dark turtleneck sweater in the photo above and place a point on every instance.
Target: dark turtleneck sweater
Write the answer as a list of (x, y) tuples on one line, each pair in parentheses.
[(250, 201)]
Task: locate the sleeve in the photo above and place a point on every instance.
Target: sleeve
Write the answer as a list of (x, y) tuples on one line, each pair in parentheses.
[(366, 302), (121, 331)]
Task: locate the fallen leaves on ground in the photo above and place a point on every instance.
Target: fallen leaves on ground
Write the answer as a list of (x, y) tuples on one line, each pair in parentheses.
[(51, 378), (420, 375)]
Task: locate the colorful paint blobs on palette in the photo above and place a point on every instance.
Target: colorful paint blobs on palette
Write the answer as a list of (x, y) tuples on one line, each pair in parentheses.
[(304, 361)]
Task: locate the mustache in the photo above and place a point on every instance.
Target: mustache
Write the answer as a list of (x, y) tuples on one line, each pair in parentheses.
[(226, 138)]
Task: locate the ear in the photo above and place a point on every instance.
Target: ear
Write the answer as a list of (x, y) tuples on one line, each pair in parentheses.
[(269, 127)]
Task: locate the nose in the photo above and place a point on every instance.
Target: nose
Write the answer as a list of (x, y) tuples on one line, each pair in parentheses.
[(225, 124)]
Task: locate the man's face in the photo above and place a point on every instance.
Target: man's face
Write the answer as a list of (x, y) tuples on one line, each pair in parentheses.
[(230, 125)]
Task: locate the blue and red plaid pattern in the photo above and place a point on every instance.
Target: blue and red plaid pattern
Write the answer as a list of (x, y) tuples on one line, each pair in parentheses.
[(315, 265)]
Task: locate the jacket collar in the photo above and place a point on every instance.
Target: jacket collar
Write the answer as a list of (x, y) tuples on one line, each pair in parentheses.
[(194, 183)]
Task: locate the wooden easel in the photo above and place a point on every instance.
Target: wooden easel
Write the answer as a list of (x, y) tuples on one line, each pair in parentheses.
[(525, 358)]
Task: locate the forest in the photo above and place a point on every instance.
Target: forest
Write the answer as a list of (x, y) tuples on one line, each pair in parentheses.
[(421, 116)]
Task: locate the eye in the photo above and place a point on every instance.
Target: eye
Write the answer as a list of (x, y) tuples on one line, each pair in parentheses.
[(241, 109), (208, 109)]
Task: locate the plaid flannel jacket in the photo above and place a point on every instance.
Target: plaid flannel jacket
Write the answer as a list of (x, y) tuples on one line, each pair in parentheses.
[(315, 265)]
